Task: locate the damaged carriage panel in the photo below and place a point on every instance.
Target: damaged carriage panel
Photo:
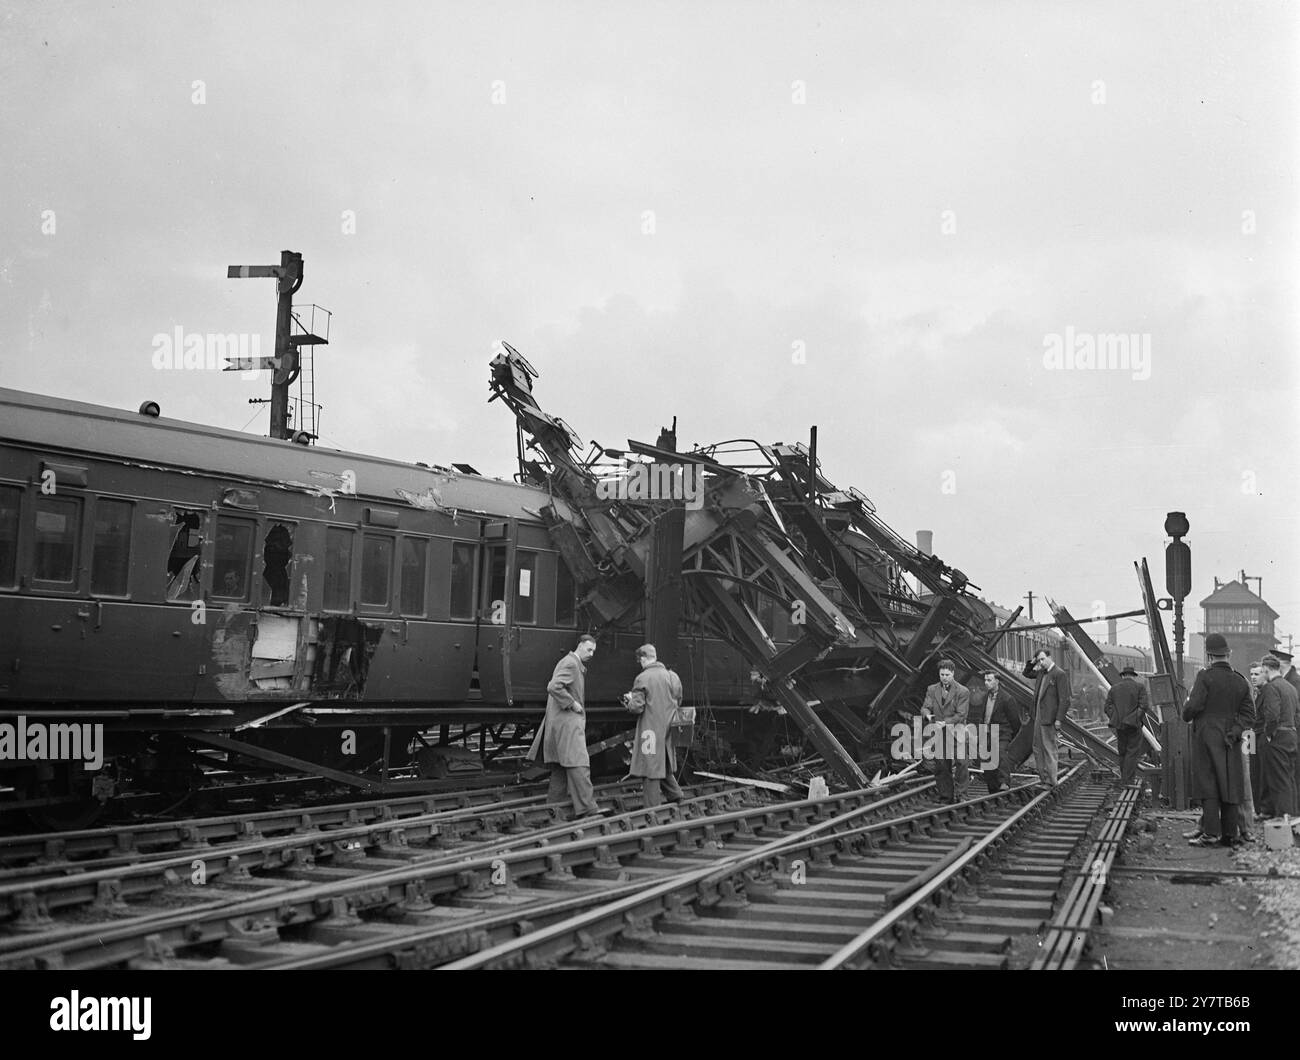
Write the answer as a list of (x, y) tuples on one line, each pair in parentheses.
[(262, 654)]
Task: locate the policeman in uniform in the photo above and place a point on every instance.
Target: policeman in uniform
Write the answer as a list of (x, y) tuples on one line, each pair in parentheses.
[(1278, 754), (1220, 710)]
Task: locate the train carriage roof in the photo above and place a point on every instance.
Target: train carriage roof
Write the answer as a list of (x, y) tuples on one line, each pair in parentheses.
[(61, 426)]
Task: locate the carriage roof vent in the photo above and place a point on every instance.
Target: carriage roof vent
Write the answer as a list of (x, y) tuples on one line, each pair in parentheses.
[(150, 408)]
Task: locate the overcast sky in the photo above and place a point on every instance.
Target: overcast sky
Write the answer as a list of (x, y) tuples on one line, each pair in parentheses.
[(756, 217)]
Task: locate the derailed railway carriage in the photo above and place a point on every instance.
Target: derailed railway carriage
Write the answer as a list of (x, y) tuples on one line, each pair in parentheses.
[(192, 588)]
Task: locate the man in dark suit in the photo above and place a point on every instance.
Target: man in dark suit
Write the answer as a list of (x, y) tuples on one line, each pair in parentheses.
[(1126, 708), (1287, 670), (1051, 703), (946, 704), (997, 720), (1220, 710)]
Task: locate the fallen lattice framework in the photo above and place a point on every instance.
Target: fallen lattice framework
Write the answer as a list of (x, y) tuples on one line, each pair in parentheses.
[(764, 531)]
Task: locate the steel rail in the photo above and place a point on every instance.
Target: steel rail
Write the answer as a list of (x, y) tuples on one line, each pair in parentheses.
[(714, 882), (417, 884), (32, 899), (1064, 942), (939, 887)]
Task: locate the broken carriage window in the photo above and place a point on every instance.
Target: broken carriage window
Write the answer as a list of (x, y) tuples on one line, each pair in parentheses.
[(338, 569), (10, 498), (184, 564), (277, 554), (376, 570), (233, 559), (110, 556), (413, 549), (58, 525)]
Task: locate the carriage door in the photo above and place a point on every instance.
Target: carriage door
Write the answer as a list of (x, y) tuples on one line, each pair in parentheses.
[(498, 628)]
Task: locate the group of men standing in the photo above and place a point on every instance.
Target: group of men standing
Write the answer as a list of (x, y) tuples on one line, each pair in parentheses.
[(1222, 710), (997, 718), (561, 742)]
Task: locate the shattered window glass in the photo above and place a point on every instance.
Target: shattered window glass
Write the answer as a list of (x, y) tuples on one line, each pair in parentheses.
[(413, 549), (376, 570), (184, 564), (277, 556), (233, 559), (111, 552), (338, 569)]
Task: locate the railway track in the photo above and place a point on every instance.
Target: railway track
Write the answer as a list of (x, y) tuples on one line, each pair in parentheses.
[(376, 881), (934, 887)]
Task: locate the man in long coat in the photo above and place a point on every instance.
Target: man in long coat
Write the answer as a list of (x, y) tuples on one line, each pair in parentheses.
[(1220, 710), (562, 739), (947, 703), (1278, 753), (1126, 709), (656, 694)]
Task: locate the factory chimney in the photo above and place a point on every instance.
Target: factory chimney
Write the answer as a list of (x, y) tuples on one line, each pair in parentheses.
[(1112, 631)]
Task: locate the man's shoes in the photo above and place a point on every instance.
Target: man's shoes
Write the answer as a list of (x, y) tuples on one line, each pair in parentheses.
[(1205, 840), (1195, 833), (1236, 841)]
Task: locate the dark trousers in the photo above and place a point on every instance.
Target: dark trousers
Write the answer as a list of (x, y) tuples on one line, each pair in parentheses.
[(653, 789), (999, 777), (1278, 765), (572, 783), (1219, 818), (1128, 745), (1257, 774), (945, 772)]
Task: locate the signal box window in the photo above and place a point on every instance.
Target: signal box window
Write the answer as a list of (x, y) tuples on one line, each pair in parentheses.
[(277, 556), (338, 569), (58, 525), (185, 563), (413, 550), (233, 559), (376, 571), (462, 580), (110, 558), (566, 595), (10, 497)]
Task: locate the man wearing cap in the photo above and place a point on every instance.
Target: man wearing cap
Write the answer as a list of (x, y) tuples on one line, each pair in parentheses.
[(1267, 702), (1126, 708), (1278, 754), (1288, 670), (947, 704), (656, 694), (1051, 704), (1220, 710)]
